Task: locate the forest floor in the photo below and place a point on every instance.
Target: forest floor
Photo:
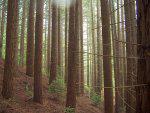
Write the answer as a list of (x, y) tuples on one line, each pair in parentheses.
[(22, 101)]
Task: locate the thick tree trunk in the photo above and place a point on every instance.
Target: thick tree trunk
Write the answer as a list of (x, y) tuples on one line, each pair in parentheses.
[(9, 67), (143, 50), (108, 92), (72, 60), (38, 52), (130, 50), (54, 49), (30, 40)]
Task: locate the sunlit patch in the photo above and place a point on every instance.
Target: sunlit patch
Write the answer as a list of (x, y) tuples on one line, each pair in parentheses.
[(65, 3)]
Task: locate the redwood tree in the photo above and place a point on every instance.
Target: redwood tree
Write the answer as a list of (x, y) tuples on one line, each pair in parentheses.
[(30, 40), (9, 67), (143, 50), (38, 52), (54, 49), (108, 92), (72, 58)]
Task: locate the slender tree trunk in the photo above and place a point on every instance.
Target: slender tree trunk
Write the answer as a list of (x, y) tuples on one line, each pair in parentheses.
[(49, 39), (38, 52), (59, 37), (22, 34), (2, 26), (66, 42), (30, 40), (88, 57), (81, 48), (99, 64), (108, 92), (54, 49), (9, 67), (94, 75), (143, 68)]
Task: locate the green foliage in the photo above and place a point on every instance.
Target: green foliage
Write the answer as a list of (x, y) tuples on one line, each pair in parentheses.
[(69, 110), (96, 99), (58, 86)]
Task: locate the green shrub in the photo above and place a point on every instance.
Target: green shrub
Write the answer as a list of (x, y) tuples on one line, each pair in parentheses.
[(95, 98), (69, 110), (58, 87)]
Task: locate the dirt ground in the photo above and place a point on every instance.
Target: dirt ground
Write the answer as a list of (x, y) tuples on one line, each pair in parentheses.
[(22, 101)]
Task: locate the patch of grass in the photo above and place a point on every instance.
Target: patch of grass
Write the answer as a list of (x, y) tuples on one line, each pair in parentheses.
[(69, 110), (95, 98)]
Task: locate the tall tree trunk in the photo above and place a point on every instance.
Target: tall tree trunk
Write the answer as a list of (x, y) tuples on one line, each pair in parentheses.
[(81, 48), (66, 42), (22, 34), (59, 37), (30, 40), (117, 58), (38, 52), (99, 63), (49, 39), (143, 68), (2, 26), (54, 49), (72, 60), (130, 53), (9, 67), (108, 92), (88, 57), (77, 35), (94, 74)]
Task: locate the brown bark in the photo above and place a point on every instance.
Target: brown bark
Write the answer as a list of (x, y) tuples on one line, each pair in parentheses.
[(81, 48), (72, 58), (54, 49), (94, 73), (77, 35), (30, 40), (49, 39), (130, 51), (66, 43), (117, 61), (99, 63), (38, 52), (22, 38), (59, 38), (108, 93), (9, 67), (143, 68)]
